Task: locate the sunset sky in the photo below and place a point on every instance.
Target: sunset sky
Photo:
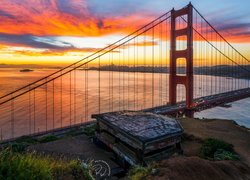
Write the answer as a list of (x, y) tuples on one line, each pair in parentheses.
[(63, 31)]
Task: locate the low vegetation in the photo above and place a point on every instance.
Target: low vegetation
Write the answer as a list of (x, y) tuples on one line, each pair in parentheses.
[(214, 149), (47, 138), (140, 172), (90, 130), (17, 163), (27, 166), (20, 144), (26, 139)]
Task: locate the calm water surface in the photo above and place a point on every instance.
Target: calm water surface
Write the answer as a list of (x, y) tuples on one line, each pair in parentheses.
[(239, 112), (48, 108)]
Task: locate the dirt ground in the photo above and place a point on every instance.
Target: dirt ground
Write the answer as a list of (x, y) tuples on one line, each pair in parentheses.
[(191, 167), (194, 168), (225, 130), (78, 147)]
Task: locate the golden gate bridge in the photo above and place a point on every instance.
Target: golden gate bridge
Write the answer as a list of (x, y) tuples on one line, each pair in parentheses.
[(176, 64)]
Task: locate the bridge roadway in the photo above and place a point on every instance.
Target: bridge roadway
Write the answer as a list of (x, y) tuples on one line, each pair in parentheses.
[(202, 103)]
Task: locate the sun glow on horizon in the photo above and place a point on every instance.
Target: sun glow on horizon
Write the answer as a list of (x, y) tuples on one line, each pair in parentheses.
[(28, 55), (60, 33)]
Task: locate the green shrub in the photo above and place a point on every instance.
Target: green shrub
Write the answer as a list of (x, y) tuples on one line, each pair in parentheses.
[(20, 144), (139, 172), (221, 154), (90, 130), (26, 139), (48, 138), (31, 166), (74, 132), (17, 147), (211, 146), (18, 166), (73, 170)]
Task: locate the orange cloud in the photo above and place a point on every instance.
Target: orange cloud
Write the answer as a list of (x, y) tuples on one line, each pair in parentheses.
[(21, 20), (47, 19)]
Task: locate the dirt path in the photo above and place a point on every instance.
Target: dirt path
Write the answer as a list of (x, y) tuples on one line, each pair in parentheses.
[(78, 147)]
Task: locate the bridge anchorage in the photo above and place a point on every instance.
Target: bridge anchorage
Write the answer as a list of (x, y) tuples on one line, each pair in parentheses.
[(177, 63)]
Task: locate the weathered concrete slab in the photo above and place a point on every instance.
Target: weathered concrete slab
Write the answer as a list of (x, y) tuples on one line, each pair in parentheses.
[(139, 137), (144, 126)]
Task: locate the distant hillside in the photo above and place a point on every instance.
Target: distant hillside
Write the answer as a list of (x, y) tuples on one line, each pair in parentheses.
[(223, 70)]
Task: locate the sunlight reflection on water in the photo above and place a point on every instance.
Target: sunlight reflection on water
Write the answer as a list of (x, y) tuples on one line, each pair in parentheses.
[(125, 93)]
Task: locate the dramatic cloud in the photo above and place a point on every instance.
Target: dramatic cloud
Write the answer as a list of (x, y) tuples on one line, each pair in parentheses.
[(55, 27), (55, 52), (235, 27), (237, 32), (33, 41), (61, 17)]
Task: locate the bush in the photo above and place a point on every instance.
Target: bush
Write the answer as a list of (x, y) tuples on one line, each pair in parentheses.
[(18, 166), (20, 144), (48, 138), (18, 147), (211, 147), (90, 130), (139, 172), (31, 166), (221, 154), (26, 139)]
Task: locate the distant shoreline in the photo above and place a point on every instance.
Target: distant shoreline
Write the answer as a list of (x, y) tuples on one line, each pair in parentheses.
[(220, 71)]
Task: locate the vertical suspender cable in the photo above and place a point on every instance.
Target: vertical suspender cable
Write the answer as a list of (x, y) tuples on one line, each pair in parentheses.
[(112, 80), (61, 100), (134, 75), (30, 112), (153, 67), (70, 99), (99, 85), (12, 117), (46, 108), (34, 109), (75, 96), (53, 101)]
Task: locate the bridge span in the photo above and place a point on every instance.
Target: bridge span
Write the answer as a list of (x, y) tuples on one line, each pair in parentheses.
[(201, 103)]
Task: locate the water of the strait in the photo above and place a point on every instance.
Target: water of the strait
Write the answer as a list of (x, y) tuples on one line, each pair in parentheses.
[(104, 91)]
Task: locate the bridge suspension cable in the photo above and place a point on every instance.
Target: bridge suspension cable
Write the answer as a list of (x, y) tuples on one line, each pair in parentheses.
[(68, 96), (108, 49), (130, 74), (220, 35)]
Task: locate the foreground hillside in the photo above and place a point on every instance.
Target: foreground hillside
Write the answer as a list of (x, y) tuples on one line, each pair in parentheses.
[(191, 166), (60, 157)]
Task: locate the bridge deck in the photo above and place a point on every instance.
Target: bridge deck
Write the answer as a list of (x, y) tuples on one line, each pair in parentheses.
[(203, 103)]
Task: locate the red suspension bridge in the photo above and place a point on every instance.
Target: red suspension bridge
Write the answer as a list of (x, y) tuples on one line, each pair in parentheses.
[(178, 63)]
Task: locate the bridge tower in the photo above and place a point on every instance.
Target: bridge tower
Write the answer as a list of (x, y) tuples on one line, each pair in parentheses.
[(187, 54)]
